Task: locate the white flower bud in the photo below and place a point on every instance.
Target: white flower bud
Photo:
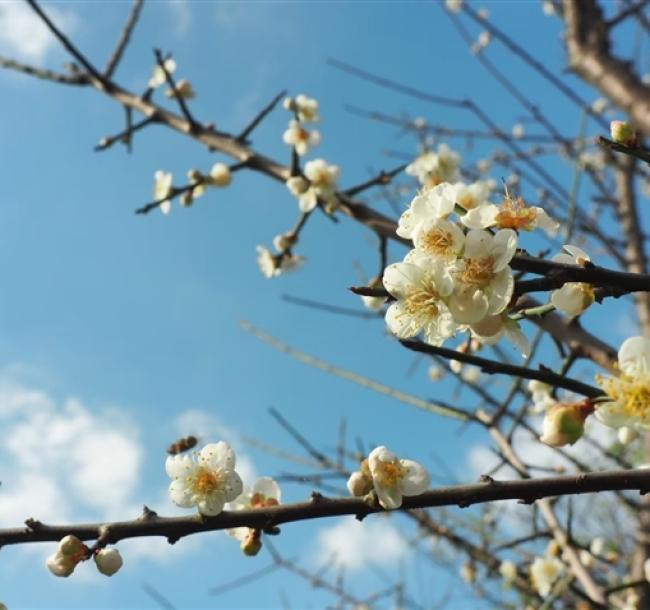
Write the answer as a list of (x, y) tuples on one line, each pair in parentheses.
[(220, 175), (186, 199), (108, 561), (468, 572), (60, 565), (626, 435), (297, 185), (622, 133), (359, 484), (564, 423), (508, 571), (597, 546), (71, 545), (252, 543)]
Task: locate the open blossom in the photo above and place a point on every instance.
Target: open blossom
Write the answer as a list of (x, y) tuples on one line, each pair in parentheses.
[(420, 286), (390, 477), (470, 196), (264, 493), (163, 190), (182, 89), (435, 203), (574, 297), (541, 394), (320, 181), (272, 265), (306, 108), (432, 168), (158, 77), (630, 391), (108, 561), (513, 213), (491, 329), (483, 279), (300, 138), (206, 480), (439, 239), (544, 572)]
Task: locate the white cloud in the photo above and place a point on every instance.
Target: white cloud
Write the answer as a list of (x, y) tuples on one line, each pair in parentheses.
[(23, 34), (356, 544), (182, 16), (64, 461)]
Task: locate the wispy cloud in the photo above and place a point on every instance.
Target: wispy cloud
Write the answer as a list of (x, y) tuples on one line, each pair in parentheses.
[(355, 545), (23, 34), (182, 16)]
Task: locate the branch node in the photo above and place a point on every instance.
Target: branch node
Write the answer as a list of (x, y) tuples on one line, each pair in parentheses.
[(33, 524)]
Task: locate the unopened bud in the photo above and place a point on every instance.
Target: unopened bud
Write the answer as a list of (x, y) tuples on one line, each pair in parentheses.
[(284, 241), (252, 544), (71, 545), (371, 302), (508, 571), (60, 565), (564, 423), (195, 175), (220, 174), (297, 185), (359, 484), (622, 133), (468, 572), (108, 561), (186, 199), (289, 104)]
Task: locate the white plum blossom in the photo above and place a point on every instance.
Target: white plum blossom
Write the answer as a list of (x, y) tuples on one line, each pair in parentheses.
[(306, 108), (574, 297), (390, 477), (220, 175), (544, 572), (630, 391), (163, 190), (300, 138), (513, 213), (470, 196), (420, 286), (439, 239), (491, 329), (183, 89), (272, 265), (483, 281), (432, 168), (206, 480), (435, 203), (508, 571), (108, 561), (158, 77), (320, 180), (541, 394), (264, 493)]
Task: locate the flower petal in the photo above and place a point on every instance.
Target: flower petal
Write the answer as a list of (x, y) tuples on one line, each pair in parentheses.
[(416, 478), (634, 356), (217, 455)]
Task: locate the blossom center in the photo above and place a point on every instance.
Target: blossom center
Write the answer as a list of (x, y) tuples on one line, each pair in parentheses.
[(479, 272), (438, 242), (632, 394), (206, 482), (514, 214), (423, 303), (389, 474)]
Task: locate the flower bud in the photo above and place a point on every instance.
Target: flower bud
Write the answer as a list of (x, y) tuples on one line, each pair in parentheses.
[(289, 104), (220, 175), (297, 185), (71, 545), (195, 175), (564, 423), (60, 565), (187, 199), (508, 571), (108, 561), (359, 484), (374, 303), (252, 543), (284, 241), (626, 435), (622, 133), (468, 572)]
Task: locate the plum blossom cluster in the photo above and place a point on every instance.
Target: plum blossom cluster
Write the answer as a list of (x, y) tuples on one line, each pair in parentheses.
[(207, 480), (71, 551), (164, 190), (389, 477), (305, 110), (183, 88)]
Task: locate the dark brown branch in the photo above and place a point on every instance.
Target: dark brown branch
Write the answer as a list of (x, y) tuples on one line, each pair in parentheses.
[(243, 136), (633, 151), (108, 141), (495, 367), (123, 42), (57, 77), (524, 491), (382, 178)]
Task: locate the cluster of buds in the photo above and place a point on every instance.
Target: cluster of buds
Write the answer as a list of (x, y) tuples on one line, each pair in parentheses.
[(164, 191), (71, 551)]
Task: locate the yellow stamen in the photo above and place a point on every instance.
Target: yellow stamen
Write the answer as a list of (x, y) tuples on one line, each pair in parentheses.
[(438, 243), (632, 394), (206, 482), (478, 272)]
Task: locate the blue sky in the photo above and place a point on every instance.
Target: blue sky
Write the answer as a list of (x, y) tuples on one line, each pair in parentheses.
[(129, 324)]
